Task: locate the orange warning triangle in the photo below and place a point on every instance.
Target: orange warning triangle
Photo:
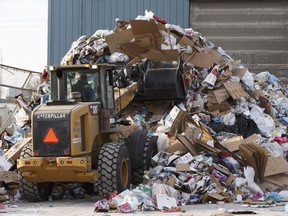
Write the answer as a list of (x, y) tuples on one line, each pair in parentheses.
[(51, 137)]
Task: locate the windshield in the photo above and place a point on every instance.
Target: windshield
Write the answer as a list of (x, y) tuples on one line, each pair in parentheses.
[(75, 82)]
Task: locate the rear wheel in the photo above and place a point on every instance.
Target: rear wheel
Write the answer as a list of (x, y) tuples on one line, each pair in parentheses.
[(32, 191), (142, 147), (114, 169)]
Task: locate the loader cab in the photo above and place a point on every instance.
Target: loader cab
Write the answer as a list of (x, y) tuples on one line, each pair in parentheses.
[(82, 83)]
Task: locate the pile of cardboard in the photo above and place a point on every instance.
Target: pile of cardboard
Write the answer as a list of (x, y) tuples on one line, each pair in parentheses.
[(226, 122), (141, 39)]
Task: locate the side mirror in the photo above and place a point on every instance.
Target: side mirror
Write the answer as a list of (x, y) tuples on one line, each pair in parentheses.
[(59, 73)]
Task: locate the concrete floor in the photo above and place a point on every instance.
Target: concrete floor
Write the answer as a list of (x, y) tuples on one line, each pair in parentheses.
[(85, 207)]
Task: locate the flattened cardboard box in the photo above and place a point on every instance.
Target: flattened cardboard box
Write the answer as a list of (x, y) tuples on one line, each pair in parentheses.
[(278, 179), (170, 180), (188, 144), (193, 134), (221, 94), (235, 89), (219, 168), (174, 120), (202, 59), (239, 72), (143, 40), (276, 165), (176, 145), (14, 152), (253, 138), (142, 28), (216, 196), (233, 143), (183, 167), (9, 177), (115, 39), (230, 177), (257, 157), (127, 130), (220, 109)]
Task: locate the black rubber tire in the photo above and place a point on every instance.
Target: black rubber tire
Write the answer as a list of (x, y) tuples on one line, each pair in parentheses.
[(142, 147), (34, 192), (114, 168), (137, 176)]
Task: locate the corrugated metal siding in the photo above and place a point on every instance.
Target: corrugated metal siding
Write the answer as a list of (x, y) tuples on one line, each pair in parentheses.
[(69, 19), (253, 31)]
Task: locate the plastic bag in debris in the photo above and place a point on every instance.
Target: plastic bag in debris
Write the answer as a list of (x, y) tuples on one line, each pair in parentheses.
[(142, 198), (190, 32), (162, 142), (21, 117), (229, 119), (169, 41), (223, 53), (102, 206), (118, 57), (119, 199), (271, 78), (148, 16), (154, 172), (102, 33), (244, 126), (264, 122), (125, 208), (232, 164), (176, 28), (274, 148), (286, 207), (197, 103), (273, 196), (242, 107), (162, 129), (132, 201), (210, 80), (164, 189), (249, 174), (248, 80), (284, 194), (239, 182)]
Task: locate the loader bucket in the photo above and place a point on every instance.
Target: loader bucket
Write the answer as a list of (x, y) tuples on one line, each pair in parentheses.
[(162, 80)]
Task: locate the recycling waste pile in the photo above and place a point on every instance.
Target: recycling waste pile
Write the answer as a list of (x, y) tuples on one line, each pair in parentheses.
[(225, 142)]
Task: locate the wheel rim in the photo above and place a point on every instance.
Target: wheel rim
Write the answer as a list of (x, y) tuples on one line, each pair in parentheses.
[(124, 173)]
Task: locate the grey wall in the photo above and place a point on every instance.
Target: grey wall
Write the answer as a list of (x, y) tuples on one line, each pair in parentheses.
[(70, 19), (255, 31)]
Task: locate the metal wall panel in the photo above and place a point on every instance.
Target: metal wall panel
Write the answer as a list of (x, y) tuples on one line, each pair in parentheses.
[(254, 31), (70, 19)]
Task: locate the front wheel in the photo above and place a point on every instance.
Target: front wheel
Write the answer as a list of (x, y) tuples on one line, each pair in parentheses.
[(114, 169), (32, 191)]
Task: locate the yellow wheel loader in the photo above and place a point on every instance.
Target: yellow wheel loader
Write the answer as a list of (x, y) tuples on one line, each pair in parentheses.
[(75, 137)]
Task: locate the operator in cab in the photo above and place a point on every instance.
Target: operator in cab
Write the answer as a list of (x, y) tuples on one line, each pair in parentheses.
[(82, 86)]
